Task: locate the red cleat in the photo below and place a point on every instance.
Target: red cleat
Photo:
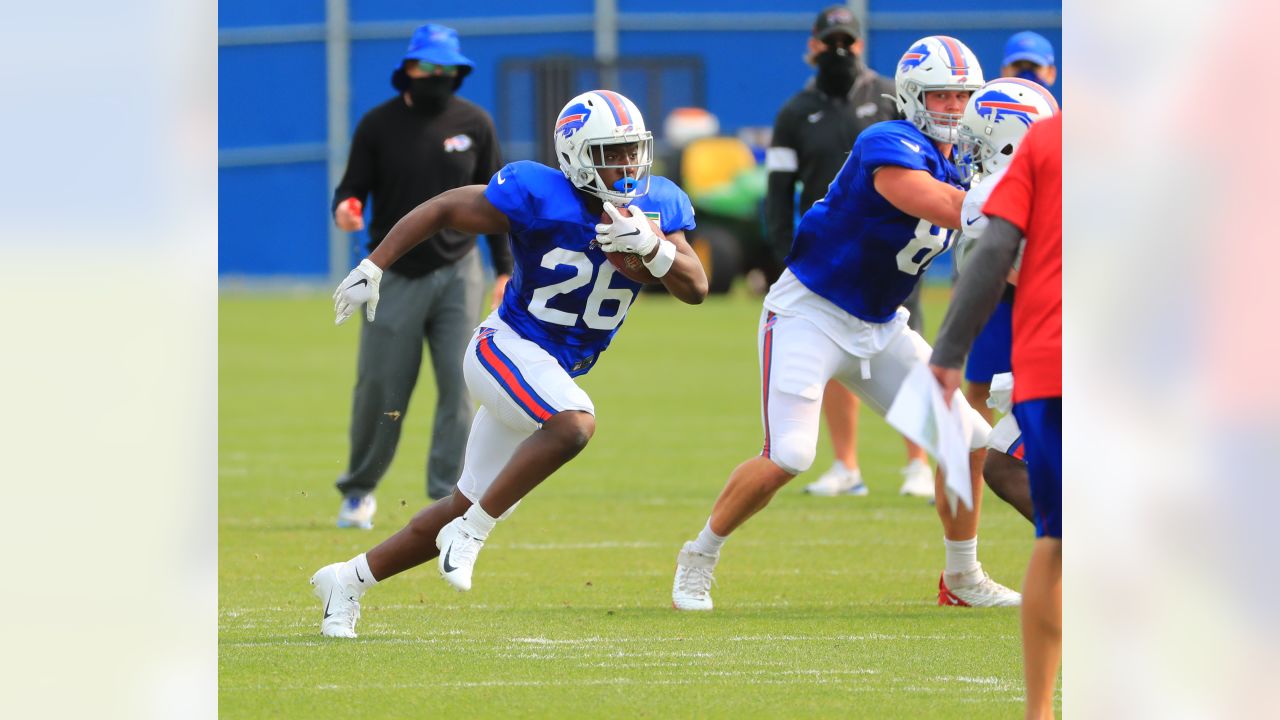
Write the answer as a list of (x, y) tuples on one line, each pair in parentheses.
[(983, 593), (944, 594)]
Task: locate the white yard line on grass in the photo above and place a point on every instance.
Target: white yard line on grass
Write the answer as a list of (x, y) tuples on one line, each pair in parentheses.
[(816, 677), (454, 637)]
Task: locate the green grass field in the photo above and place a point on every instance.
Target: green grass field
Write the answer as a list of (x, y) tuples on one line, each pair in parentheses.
[(825, 607)]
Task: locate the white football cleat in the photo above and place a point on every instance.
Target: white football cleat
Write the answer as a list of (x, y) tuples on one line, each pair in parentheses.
[(982, 592), (341, 602), (692, 587), (357, 512), (836, 481), (917, 480), (458, 551)]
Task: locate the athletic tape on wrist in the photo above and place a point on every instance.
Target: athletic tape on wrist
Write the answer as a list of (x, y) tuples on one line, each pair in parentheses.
[(661, 263)]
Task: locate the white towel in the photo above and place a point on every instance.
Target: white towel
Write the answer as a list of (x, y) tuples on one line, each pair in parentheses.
[(919, 412)]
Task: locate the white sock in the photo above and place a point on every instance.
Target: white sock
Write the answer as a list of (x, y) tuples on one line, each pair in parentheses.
[(478, 522), (962, 556), (356, 572), (840, 467), (708, 543)]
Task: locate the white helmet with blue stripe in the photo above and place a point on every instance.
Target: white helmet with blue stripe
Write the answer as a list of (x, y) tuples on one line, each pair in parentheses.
[(995, 121), (587, 124), (937, 62)]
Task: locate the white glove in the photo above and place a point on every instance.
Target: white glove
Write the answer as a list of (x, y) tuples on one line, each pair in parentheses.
[(361, 286), (629, 234)]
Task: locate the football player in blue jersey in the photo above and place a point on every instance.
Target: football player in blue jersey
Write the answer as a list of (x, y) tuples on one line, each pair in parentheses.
[(560, 310), (836, 313)]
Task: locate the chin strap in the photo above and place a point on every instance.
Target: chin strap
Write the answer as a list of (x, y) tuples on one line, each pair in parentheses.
[(661, 263)]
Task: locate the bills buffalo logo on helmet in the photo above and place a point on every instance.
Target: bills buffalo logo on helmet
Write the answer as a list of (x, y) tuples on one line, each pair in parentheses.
[(572, 120), (914, 57), (996, 106)]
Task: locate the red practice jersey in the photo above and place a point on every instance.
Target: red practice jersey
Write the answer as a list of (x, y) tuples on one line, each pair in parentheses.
[(1030, 197)]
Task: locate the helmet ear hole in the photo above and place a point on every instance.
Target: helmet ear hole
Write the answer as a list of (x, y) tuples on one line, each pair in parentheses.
[(1007, 149)]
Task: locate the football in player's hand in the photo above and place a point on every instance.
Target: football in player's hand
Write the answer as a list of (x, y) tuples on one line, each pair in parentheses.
[(630, 264)]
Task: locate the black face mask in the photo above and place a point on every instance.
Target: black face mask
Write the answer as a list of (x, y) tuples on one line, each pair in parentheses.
[(429, 94), (837, 69)]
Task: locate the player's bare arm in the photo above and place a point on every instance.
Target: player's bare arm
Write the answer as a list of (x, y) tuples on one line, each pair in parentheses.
[(686, 280), (918, 194), (464, 208)]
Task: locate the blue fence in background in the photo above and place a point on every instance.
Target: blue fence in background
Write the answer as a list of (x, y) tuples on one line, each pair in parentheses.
[(274, 174)]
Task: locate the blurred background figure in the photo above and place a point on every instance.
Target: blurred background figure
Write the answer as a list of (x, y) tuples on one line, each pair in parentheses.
[(1029, 55), (405, 151), (812, 136)]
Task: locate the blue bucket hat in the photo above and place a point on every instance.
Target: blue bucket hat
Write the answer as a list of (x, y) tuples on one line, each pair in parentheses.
[(435, 44), (1028, 46)]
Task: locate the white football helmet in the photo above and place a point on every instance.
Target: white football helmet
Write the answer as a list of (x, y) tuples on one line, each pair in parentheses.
[(935, 63), (585, 126), (995, 121)]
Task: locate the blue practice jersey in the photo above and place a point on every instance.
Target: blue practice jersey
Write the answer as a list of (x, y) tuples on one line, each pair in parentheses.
[(564, 294), (856, 249)]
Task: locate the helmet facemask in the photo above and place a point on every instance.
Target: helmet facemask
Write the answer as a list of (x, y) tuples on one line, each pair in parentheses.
[(969, 151), (635, 180), (941, 126), (976, 154)]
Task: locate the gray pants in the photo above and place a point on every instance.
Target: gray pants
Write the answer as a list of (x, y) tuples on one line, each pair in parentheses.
[(443, 307)]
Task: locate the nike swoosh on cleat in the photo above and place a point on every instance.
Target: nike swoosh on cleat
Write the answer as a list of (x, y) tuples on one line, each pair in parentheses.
[(447, 567), (358, 575), (326, 606)]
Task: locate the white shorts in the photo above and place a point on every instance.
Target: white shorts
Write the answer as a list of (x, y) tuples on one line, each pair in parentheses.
[(519, 386), (1006, 437), (797, 359)]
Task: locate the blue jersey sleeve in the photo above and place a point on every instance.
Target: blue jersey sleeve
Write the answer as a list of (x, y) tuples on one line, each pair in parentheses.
[(888, 144), (675, 210), (508, 192)]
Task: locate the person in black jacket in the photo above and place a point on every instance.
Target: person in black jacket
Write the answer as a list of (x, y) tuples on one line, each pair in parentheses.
[(420, 143), (812, 136)]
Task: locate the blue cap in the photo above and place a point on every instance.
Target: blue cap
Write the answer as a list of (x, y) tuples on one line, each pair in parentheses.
[(1028, 46), (435, 44)]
